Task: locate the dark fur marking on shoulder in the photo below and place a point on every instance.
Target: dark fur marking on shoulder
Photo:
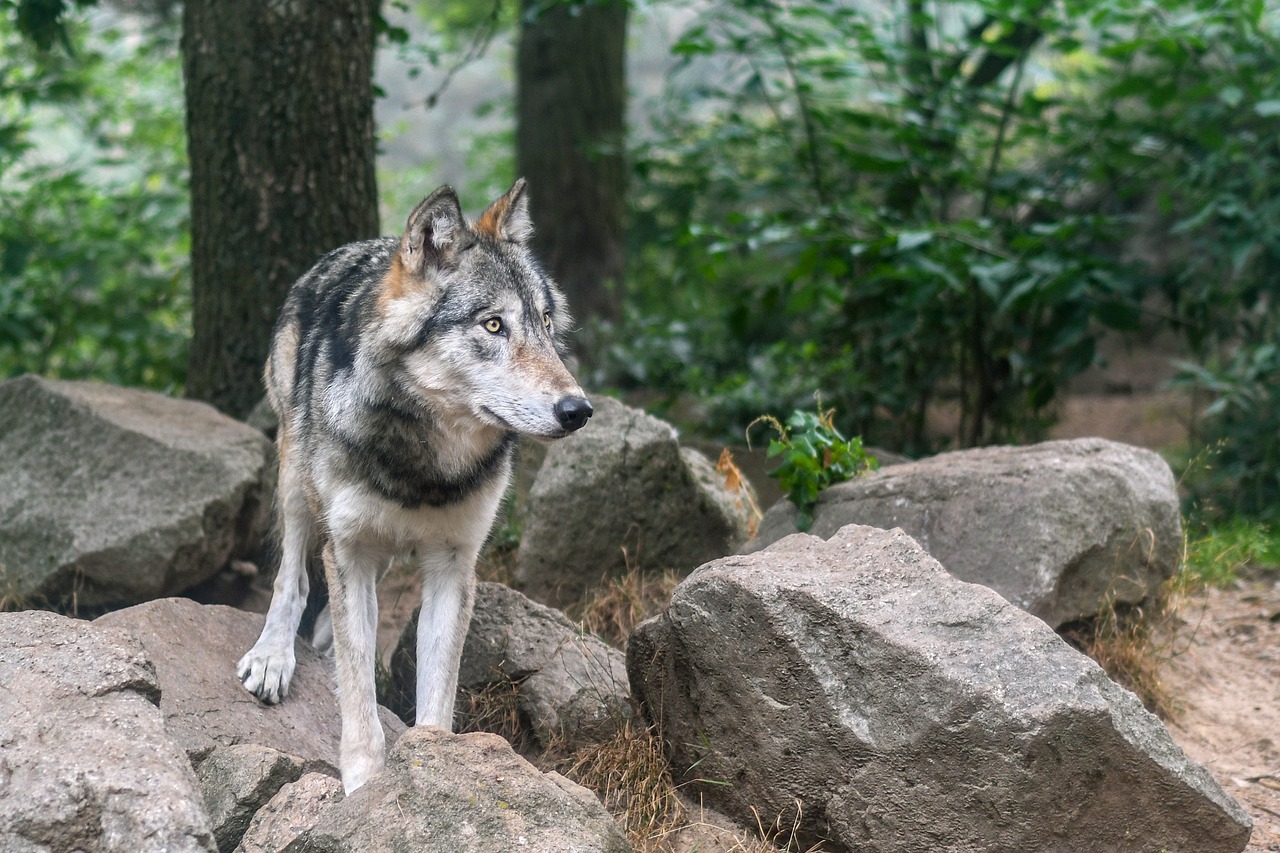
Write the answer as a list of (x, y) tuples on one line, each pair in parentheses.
[(331, 302), (389, 408)]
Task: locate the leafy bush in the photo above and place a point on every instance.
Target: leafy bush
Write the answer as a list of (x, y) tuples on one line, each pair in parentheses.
[(93, 207), (1243, 427), (893, 214), (813, 455), (1205, 98), (950, 206)]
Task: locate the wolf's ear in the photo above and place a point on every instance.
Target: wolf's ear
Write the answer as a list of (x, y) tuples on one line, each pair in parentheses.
[(433, 231), (508, 217)]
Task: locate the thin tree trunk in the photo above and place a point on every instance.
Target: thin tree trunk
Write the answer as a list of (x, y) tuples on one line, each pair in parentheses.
[(570, 122), (280, 137)]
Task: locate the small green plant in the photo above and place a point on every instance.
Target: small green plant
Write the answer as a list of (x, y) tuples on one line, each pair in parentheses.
[(1217, 553), (814, 456)]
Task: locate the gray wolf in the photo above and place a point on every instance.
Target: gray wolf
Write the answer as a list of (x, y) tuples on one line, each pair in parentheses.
[(402, 371)]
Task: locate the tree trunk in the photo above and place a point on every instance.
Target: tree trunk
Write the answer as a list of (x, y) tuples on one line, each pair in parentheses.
[(281, 143), (570, 123)]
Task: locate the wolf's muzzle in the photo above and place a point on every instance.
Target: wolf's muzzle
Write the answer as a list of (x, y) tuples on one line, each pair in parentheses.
[(573, 412)]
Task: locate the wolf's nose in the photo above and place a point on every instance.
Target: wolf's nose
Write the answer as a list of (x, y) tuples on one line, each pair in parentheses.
[(572, 412)]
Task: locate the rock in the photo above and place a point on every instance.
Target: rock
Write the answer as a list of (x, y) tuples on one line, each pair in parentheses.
[(239, 780), (1059, 528), (290, 813), (567, 685), (85, 763), (446, 793), (905, 710), (263, 418), (623, 490), (111, 496), (195, 648)]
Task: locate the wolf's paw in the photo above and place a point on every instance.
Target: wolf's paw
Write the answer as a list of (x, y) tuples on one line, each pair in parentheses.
[(358, 769), (266, 674)]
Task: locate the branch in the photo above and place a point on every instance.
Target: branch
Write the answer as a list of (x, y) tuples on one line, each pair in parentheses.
[(816, 175), (476, 50), (1010, 48), (998, 148)]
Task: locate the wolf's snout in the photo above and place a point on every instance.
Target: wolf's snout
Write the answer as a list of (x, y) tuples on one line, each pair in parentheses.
[(573, 412)]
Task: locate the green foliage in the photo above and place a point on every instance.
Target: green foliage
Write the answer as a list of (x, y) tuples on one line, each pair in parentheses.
[(449, 35), (1207, 93), (943, 203), (884, 201), (94, 207), (813, 455), (41, 21), (1242, 425), (1217, 553)]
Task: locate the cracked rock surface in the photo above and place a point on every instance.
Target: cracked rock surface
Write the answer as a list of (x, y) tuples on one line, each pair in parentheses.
[(903, 710), (622, 490), (1058, 528), (85, 763)]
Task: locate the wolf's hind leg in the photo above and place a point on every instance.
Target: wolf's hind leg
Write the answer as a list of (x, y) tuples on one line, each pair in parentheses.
[(267, 668)]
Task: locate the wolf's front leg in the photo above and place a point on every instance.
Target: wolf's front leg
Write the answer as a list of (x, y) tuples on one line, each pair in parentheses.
[(353, 574), (267, 668), (448, 593)]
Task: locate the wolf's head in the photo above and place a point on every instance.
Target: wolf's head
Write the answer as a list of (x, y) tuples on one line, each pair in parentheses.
[(475, 324)]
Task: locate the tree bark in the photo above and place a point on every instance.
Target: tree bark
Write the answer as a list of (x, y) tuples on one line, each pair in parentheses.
[(280, 137), (570, 124)]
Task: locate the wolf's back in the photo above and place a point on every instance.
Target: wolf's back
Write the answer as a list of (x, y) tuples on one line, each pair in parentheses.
[(319, 328)]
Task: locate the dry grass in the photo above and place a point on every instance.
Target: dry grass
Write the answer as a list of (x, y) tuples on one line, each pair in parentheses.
[(631, 775), (10, 600), (497, 564), (783, 834), (736, 484), (1132, 644), (612, 609), (495, 708)]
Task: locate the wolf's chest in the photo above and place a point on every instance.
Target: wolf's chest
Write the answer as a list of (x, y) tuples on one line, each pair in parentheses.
[(404, 461)]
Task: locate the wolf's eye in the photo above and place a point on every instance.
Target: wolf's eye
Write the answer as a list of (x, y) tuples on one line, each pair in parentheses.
[(546, 320), (493, 325)]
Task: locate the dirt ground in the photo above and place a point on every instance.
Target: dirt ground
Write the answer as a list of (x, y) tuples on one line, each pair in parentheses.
[(1223, 676)]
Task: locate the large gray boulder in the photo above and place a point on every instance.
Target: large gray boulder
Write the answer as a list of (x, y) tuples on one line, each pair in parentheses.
[(446, 793), (1059, 529), (623, 489), (903, 710), (194, 648), (85, 763), (111, 496), (567, 685)]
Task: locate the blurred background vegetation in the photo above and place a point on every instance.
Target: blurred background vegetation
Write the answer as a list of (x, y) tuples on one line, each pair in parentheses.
[(901, 207)]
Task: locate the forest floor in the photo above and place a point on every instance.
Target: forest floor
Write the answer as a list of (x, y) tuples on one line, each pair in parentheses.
[(1221, 671)]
